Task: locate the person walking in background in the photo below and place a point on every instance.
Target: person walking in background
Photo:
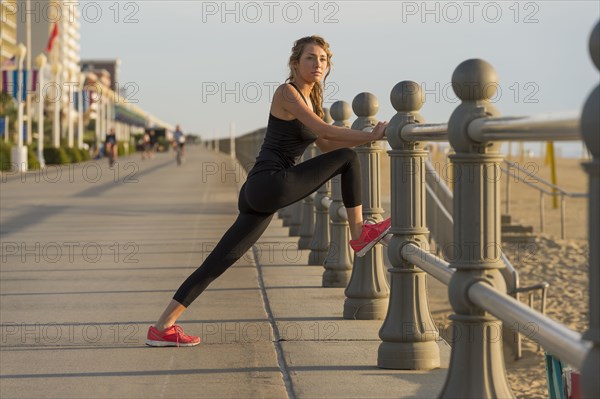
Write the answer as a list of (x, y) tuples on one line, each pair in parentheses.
[(146, 146), (278, 180)]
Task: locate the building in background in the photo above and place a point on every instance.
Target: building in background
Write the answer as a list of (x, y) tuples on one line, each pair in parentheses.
[(55, 32), (111, 66), (8, 30), (47, 17)]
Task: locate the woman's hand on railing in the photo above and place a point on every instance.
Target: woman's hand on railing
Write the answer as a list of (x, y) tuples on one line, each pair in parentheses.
[(379, 130)]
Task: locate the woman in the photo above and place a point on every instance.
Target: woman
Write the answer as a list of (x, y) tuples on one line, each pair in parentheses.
[(275, 181)]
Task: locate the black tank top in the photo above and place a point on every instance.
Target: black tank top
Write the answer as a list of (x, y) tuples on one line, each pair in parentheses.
[(284, 144)]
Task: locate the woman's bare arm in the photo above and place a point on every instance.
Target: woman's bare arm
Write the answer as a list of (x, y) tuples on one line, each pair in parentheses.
[(328, 145), (289, 99)]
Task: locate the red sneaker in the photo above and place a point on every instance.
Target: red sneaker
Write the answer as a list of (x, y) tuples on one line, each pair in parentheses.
[(172, 336), (369, 236)]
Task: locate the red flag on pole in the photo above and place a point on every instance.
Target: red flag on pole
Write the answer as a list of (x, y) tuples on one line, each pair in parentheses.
[(52, 37)]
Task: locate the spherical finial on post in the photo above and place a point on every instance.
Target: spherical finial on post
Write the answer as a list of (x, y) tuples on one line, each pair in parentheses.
[(365, 105), (475, 80), (407, 96), (595, 45), (407, 99), (590, 120), (340, 111), (590, 123)]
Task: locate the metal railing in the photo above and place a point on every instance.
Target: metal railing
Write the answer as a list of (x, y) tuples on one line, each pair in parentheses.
[(441, 225), (476, 273), (545, 188)]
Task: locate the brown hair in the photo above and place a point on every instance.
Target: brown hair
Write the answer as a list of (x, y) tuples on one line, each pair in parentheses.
[(316, 94)]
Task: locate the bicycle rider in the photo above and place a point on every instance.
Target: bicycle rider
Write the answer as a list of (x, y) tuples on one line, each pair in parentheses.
[(110, 146), (179, 140)]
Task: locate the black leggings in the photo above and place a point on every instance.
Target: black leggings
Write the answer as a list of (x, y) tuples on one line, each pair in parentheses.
[(260, 197)]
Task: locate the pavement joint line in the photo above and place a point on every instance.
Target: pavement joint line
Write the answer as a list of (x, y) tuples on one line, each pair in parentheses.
[(277, 338), (167, 377)]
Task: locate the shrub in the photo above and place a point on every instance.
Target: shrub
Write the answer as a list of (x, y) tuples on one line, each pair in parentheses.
[(56, 156), (74, 155), (4, 156), (32, 159), (85, 154)]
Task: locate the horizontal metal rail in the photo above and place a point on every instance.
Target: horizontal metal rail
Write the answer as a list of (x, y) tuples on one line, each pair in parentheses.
[(562, 342), (538, 180), (425, 132), (541, 127), (431, 264), (557, 339)]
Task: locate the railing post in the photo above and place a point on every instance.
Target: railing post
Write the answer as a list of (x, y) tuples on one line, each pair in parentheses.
[(477, 367), (300, 210), (286, 214), (507, 205), (304, 216), (408, 333), (590, 129), (367, 292), (542, 214), (319, 243), (338, 264)]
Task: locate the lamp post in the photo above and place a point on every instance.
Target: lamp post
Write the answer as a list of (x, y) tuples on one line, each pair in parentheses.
[(80, 111), (71, 94), (19, 153), (40, 61), (56, 68), (29, 71)]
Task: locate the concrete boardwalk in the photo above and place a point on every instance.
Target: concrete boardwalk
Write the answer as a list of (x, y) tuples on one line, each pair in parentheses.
[(90, 257)]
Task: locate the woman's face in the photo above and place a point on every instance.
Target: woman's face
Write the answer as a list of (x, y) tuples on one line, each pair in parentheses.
[(312, 64)]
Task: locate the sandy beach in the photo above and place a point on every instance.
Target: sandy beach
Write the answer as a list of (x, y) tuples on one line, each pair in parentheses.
[(561, 263)]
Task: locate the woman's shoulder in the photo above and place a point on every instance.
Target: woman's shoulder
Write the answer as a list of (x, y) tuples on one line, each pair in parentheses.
[(282, 95), (285, 88)]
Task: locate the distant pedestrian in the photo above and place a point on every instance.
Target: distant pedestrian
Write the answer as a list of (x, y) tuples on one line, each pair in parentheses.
[(146, 146), (276, 180)]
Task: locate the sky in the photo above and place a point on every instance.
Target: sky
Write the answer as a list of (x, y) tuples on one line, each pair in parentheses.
[(205, 64)]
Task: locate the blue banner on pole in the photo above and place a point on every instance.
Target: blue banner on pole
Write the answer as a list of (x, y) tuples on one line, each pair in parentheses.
[(2, 126), (28, 82)]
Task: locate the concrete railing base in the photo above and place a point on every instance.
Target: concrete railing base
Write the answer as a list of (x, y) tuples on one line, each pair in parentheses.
[(409, 355)]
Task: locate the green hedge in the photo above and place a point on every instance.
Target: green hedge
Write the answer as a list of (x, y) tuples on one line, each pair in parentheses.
[(56, 156), (52, 156), (74, 155), (85, 155), (32, 159), (60, 156), (4, 156)]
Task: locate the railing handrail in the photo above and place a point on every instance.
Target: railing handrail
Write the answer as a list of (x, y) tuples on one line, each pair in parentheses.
[(511, 276), (425, 132), (554, 336), (541, 127), (558, 339), (433, 265), (540, 180)]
